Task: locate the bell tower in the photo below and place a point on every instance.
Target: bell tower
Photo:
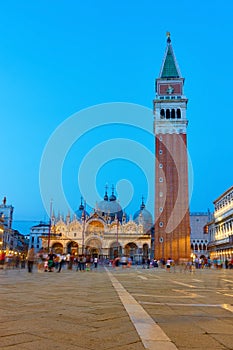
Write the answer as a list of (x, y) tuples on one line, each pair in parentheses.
[(172, 223)]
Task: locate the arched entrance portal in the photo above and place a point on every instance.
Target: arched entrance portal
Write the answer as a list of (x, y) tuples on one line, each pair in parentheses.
[(72, 247), (115, 250), (145, 249), (93, 247), (57, 248), (131, 250)]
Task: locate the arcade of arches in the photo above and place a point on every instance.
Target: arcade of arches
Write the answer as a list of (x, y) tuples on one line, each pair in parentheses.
[(97, 237)]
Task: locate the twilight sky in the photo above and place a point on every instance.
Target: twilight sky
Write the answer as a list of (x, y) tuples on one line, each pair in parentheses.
[(58, 58)]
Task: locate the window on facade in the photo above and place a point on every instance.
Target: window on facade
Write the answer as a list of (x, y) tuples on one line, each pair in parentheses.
[(160, 179), (160, 165), (167, 113), (160, 209), (178, 113), (75, 234), (173, 114), (161, 224), (160, 151), (160, 194)]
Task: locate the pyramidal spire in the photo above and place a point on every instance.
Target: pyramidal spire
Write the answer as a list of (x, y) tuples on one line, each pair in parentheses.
[(170, 68)]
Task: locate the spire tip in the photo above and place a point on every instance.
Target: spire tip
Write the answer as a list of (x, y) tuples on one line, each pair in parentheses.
[(168, 34)]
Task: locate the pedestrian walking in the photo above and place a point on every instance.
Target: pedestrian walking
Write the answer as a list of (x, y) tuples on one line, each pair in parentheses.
[(23, 261), (95, 262), (168, 264), (2, 259), (51, 264), (31, 258), (61, 262)]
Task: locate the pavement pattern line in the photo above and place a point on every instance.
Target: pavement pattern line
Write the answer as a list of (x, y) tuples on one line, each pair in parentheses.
[(227, 280), (184, 295), (227, 307), (181, 304), (184, 284), (187, 294), (143, 277), (223, 306), (151, 335), (196, 280)]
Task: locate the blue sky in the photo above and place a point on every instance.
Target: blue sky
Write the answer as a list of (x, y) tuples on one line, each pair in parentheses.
[(60, 57)]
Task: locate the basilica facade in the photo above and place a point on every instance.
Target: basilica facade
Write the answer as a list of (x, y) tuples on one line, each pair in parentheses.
[(106, 232)]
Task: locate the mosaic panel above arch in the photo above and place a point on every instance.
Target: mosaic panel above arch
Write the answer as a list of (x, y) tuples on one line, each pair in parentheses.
[(95, 226)]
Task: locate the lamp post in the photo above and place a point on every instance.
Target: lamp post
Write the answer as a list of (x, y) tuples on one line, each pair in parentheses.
[(1, 233), (117, 236), (50, 223), (84, 222)]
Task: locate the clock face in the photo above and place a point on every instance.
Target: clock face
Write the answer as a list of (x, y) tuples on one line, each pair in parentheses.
[(169, 89)]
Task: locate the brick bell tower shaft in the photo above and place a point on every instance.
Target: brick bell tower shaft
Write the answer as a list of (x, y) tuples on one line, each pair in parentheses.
[(172, 223)]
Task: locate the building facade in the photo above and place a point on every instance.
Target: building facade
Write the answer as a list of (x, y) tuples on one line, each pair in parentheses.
[(107, 232), (172, 222), (220, 229), (34, 238), (199, 238), (10, 240), (6, 212)]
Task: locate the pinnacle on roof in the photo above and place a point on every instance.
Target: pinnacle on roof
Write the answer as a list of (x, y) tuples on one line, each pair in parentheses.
[(112, 197), (143, 204), (81, 207), (170, 67), (106, 193)]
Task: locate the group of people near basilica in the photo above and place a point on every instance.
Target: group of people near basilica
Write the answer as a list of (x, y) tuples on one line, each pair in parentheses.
[(50, 262)]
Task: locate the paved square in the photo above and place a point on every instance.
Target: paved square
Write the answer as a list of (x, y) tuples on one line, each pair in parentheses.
[(113, 309)]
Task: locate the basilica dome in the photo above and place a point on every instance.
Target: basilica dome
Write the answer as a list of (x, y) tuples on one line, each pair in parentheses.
[(110, 207), (144, 217)]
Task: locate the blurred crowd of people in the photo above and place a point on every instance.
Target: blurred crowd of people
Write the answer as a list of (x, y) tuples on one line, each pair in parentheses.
[(50, 262)]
